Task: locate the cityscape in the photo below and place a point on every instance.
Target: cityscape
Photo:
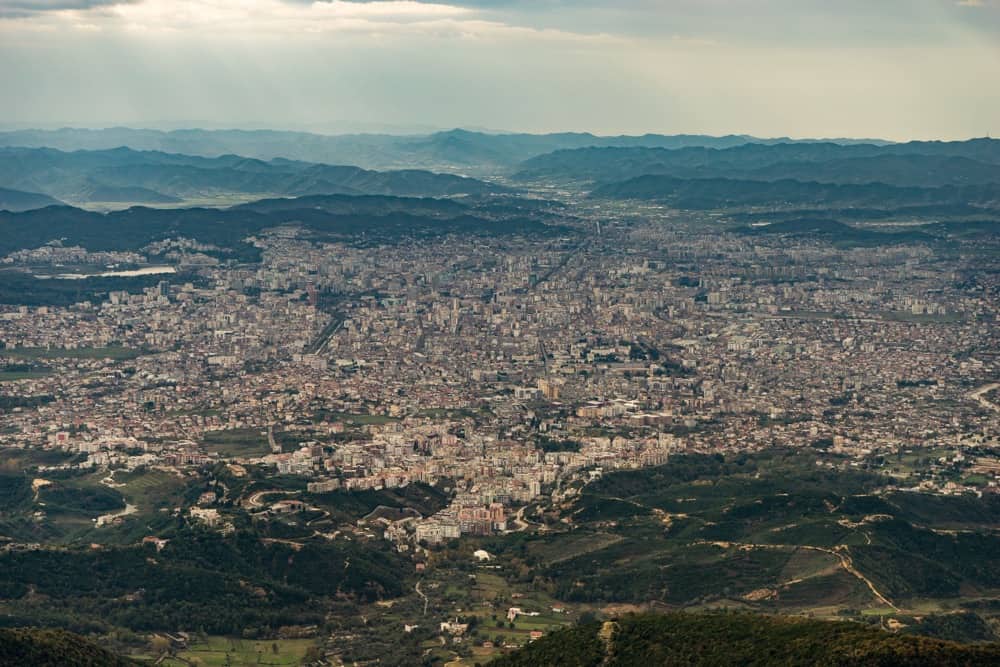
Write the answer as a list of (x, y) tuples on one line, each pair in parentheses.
[(468, 333), (502, 372)]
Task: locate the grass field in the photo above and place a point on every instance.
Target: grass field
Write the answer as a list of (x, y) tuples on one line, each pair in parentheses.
[(806, 563), (115, 352), (223, 651), (977, 479), (14, 376), (565, 547), (361, 419), (913, 462), (17, 460), (236, 443), (151, 490)]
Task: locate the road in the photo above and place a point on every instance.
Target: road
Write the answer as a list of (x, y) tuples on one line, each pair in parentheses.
[(979, 395), (840, 552), (421, 594), (523, 523), (275, 447), (323, 339), (254, 499)]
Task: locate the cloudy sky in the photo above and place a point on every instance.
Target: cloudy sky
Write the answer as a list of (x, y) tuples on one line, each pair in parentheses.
[(888, 68)]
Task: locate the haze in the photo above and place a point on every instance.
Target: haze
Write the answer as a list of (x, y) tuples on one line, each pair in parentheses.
[(897, 69)]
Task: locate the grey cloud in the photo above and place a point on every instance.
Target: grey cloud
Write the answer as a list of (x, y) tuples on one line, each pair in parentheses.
[(799, 22), (23, 8), (766, 67)]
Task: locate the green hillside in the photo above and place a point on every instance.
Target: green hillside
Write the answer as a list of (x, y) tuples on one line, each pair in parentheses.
[(739, 639), (769, 531), (52, 648)]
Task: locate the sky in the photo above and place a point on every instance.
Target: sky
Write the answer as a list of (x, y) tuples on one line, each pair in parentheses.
[(893, 69)]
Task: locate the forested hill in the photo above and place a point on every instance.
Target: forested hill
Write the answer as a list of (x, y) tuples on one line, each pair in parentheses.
[(739, 639), (913, 164), (53, 648), (16, 200), (373, 218), (122, 175)]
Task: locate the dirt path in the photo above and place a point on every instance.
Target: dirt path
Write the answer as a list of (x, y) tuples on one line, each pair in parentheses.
[(979, 395), (607, 636), (421, 594), (820, 573), (841, 552)]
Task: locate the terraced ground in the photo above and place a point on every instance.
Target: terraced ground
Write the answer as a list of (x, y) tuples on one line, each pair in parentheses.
[(771, 532), (739, 639)]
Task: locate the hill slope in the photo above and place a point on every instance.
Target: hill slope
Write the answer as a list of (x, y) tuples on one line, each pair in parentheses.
[(923, 164), (709, 193), (125, 175), (739, 639), (18, 200), (135, 227), (52, 648)]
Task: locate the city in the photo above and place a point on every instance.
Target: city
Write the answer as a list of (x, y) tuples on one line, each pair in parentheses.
[(500, 371), (506, 333)]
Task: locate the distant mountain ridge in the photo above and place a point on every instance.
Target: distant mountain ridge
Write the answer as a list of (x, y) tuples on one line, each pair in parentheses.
[(19, 200), (452, 150), (709, 193), (921, 163), (126, 175)]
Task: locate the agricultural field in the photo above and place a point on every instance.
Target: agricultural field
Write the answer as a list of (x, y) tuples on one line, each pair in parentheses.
[(236, 443), (361, 420), (19, 460), (229, 652), (151, 490), (14, 376)]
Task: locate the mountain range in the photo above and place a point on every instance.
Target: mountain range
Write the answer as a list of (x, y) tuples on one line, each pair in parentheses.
[(712, 193), (151, 177), (454, 150), (918, 163), (323, 217), (686, 171), (18, 200)]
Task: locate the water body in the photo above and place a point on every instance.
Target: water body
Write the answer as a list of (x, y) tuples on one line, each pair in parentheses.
[(144, 271)]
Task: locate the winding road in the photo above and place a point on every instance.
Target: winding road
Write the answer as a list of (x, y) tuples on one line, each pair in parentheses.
[(421, 594), (840, 552)]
